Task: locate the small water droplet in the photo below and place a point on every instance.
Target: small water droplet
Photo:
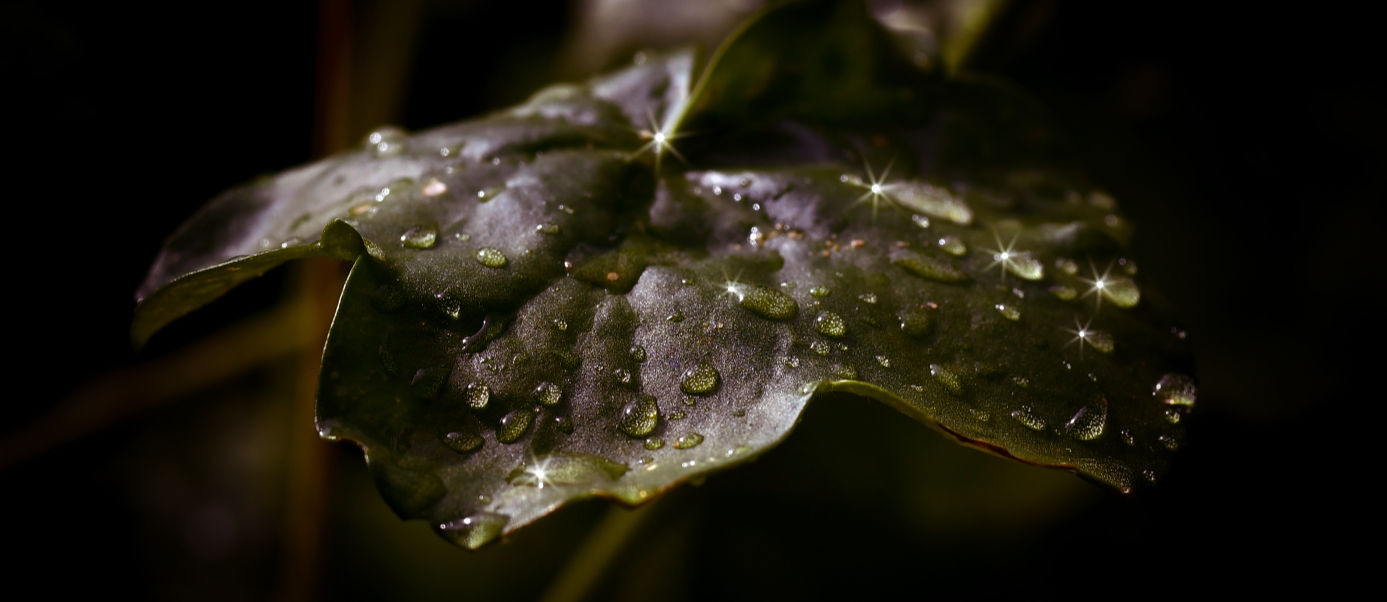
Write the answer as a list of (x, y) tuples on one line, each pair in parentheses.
[(1170, 443), (1175, 389), (476, 530), (1149, 475), (688, 441), (1024, 266), (462, 442), (1173, 416), (1009, 312), (1127, 437), (938, 269), (770, 303), (792, 362), (478, 396), (980, 415), (562, 325), (1064, 293), (547, 229), (843, 372), (513, 425), (491, 258), (548, 394), (1100, 340), (638, 353), (884, 361), (565, 424), (820, 347), (932, 200), (385, 142), (1067, 265), (434, 187), (653, 443), (700, 380), (830, 324), (622, 375), (419, 237), (677, 415), (868, 298), (920, 220), (819, 291), (1028, 417), (1088, 423), (717, 191), (640, 417), (952, 245), (947, 378)]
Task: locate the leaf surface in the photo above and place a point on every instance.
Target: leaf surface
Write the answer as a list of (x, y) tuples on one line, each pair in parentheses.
[(580, 297)]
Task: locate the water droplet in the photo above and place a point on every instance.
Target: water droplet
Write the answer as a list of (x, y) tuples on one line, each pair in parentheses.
[(933, 201), (699, 380), (843, 372), (1064, 293), (1127, 437), (491, 258), (1123, 292), (916, 323), (884, 361), (1008, 312), (947, 378), (1170, 443), (920, 220), (717, 191), (654, 443), (640, 417), (869, 298), (1100, 340), (1175, 389), (638, 353), (478, 396), (677, 415), (676, 317), (830, 324), (1028, 417), (434, 187), (1149, 475), (564, 423), (476, 530), (622, 375), (1067, 265), (514, 425), (689, 440), (820, 347), (560, 324), (385, 142), (1024, 266), (1088, 423), (1173, 416), (419, 237), (548, 394), (819, 291), (547, 229), (932, 268), (462, 442), (770, 303), (952, 245)]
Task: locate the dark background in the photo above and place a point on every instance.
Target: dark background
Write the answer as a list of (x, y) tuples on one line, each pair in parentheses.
[(1245, 144)]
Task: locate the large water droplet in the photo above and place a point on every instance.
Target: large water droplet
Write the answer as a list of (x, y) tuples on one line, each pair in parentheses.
[(1088, 423), (1028, 417), (1024, 266), (478, 396), (1122, 291), (640, 417), (565, 468), (476, 530), (491, 258), (819, 291), (1100, 340), (1175, 389), (514, 425), (699, 380), (689, 440), (830, 324), (952, 245), (916, 323), (925, 266), (932, 201), (946, 377), (462, 441), (385, 142), (419, 237), (548, 394), (770, 303)]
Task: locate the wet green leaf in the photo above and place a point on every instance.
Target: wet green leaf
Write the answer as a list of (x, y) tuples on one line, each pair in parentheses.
[(543, 298)]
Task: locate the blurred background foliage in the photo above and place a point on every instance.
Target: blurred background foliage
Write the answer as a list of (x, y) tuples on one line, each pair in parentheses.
[(1245, 144)]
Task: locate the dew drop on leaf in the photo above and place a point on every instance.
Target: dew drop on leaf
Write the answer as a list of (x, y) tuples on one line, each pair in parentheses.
[(1175, 389), (688, 441), (514, 425), (478, 396), (952, 245), (385, 142), (1088, 423), (462, 442), (640, 417), (491, 258), (699, 380), (770, 303), (475, 530), (548, 394), (1027, 416), (419, 237), (830, 324)]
